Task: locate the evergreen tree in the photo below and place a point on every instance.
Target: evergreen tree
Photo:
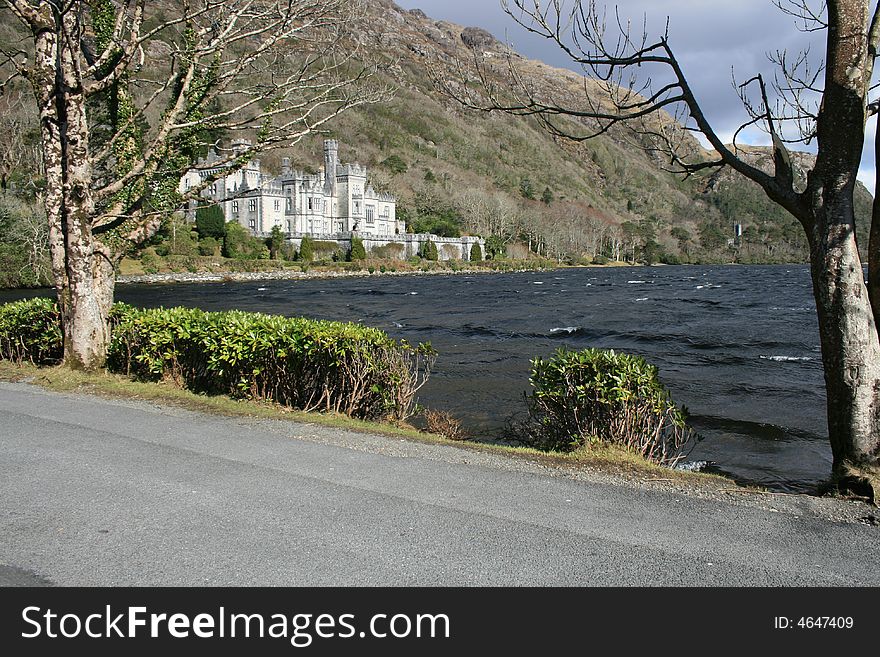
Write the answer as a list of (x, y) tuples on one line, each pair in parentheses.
[(275, 242), (306, 249), (210, 222), (429, 251), (476, 253), (358, 252)]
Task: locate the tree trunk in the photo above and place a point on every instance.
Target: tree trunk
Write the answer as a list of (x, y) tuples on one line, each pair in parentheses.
[(83, 275), (850, 349), (874, 235), (847, 330)]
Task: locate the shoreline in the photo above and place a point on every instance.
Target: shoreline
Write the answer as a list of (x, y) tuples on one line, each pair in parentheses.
[(290, 274), (295, 274), (173, 278)]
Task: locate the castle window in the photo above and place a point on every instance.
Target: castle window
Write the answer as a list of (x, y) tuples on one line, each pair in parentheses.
[(289, 204), (371, 214), (357, 207), (235, 207), (277, 205), (252, 205), (311, 203)]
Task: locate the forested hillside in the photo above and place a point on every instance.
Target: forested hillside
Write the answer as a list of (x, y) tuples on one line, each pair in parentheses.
[(458, 171)]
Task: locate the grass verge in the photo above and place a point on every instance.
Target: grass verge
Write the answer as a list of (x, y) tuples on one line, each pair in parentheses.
[(609, 459)]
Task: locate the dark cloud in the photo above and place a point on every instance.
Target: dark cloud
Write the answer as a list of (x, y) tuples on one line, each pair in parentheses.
[(711, 38)]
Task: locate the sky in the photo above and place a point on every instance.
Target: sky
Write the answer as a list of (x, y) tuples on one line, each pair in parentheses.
[(713, 40)]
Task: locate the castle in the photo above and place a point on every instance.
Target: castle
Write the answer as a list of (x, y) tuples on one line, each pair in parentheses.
[(338, 199), (335, 205)]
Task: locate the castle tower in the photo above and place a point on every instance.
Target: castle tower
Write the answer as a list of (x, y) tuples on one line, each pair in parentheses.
[(240, 146), (331, 161)]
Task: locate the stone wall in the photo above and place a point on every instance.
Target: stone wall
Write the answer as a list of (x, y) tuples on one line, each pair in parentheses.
[(448, 248)]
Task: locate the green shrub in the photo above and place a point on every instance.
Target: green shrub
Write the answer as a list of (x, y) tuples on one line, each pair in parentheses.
[(358, 252), (429, 251), (496, 248), (30, 330), (210, 222), (600, 260), (208, 246), (239, 244), (476, 253), (395, 164), (598, 396), (306, 364), (306, 249), (275, 242), (150, 262)]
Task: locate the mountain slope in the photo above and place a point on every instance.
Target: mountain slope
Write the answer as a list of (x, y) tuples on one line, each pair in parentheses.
[(607, 193)]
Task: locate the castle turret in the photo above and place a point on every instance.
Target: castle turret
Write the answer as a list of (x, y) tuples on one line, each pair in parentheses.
[(240, 146), (331, 161)]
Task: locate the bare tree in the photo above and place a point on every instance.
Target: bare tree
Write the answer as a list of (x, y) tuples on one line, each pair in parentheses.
[(18, 152), (129, 94), (828, 103)]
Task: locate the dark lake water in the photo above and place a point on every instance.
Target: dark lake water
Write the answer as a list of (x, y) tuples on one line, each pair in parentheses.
[(738, 346)]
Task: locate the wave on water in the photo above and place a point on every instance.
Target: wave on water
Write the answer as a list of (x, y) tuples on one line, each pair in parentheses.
[(642, 299), (565, 330), (537, 282), (787, 359), (635, 282), (262, 289)]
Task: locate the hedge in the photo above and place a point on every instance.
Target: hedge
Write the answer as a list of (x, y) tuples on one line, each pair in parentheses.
[(305, 364), (30, 330)]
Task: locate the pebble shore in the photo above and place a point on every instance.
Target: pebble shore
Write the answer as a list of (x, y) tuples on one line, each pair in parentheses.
[(286, 274)]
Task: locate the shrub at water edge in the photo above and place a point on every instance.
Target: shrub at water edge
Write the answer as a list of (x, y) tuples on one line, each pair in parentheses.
[(599, 396)]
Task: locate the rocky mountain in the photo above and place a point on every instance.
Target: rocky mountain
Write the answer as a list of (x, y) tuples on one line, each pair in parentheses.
[(457, 169)]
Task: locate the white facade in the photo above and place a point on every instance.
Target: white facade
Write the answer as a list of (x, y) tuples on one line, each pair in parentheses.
[(337, 200)]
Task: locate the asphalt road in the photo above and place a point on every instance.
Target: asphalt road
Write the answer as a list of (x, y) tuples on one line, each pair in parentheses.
[(98, 492)]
